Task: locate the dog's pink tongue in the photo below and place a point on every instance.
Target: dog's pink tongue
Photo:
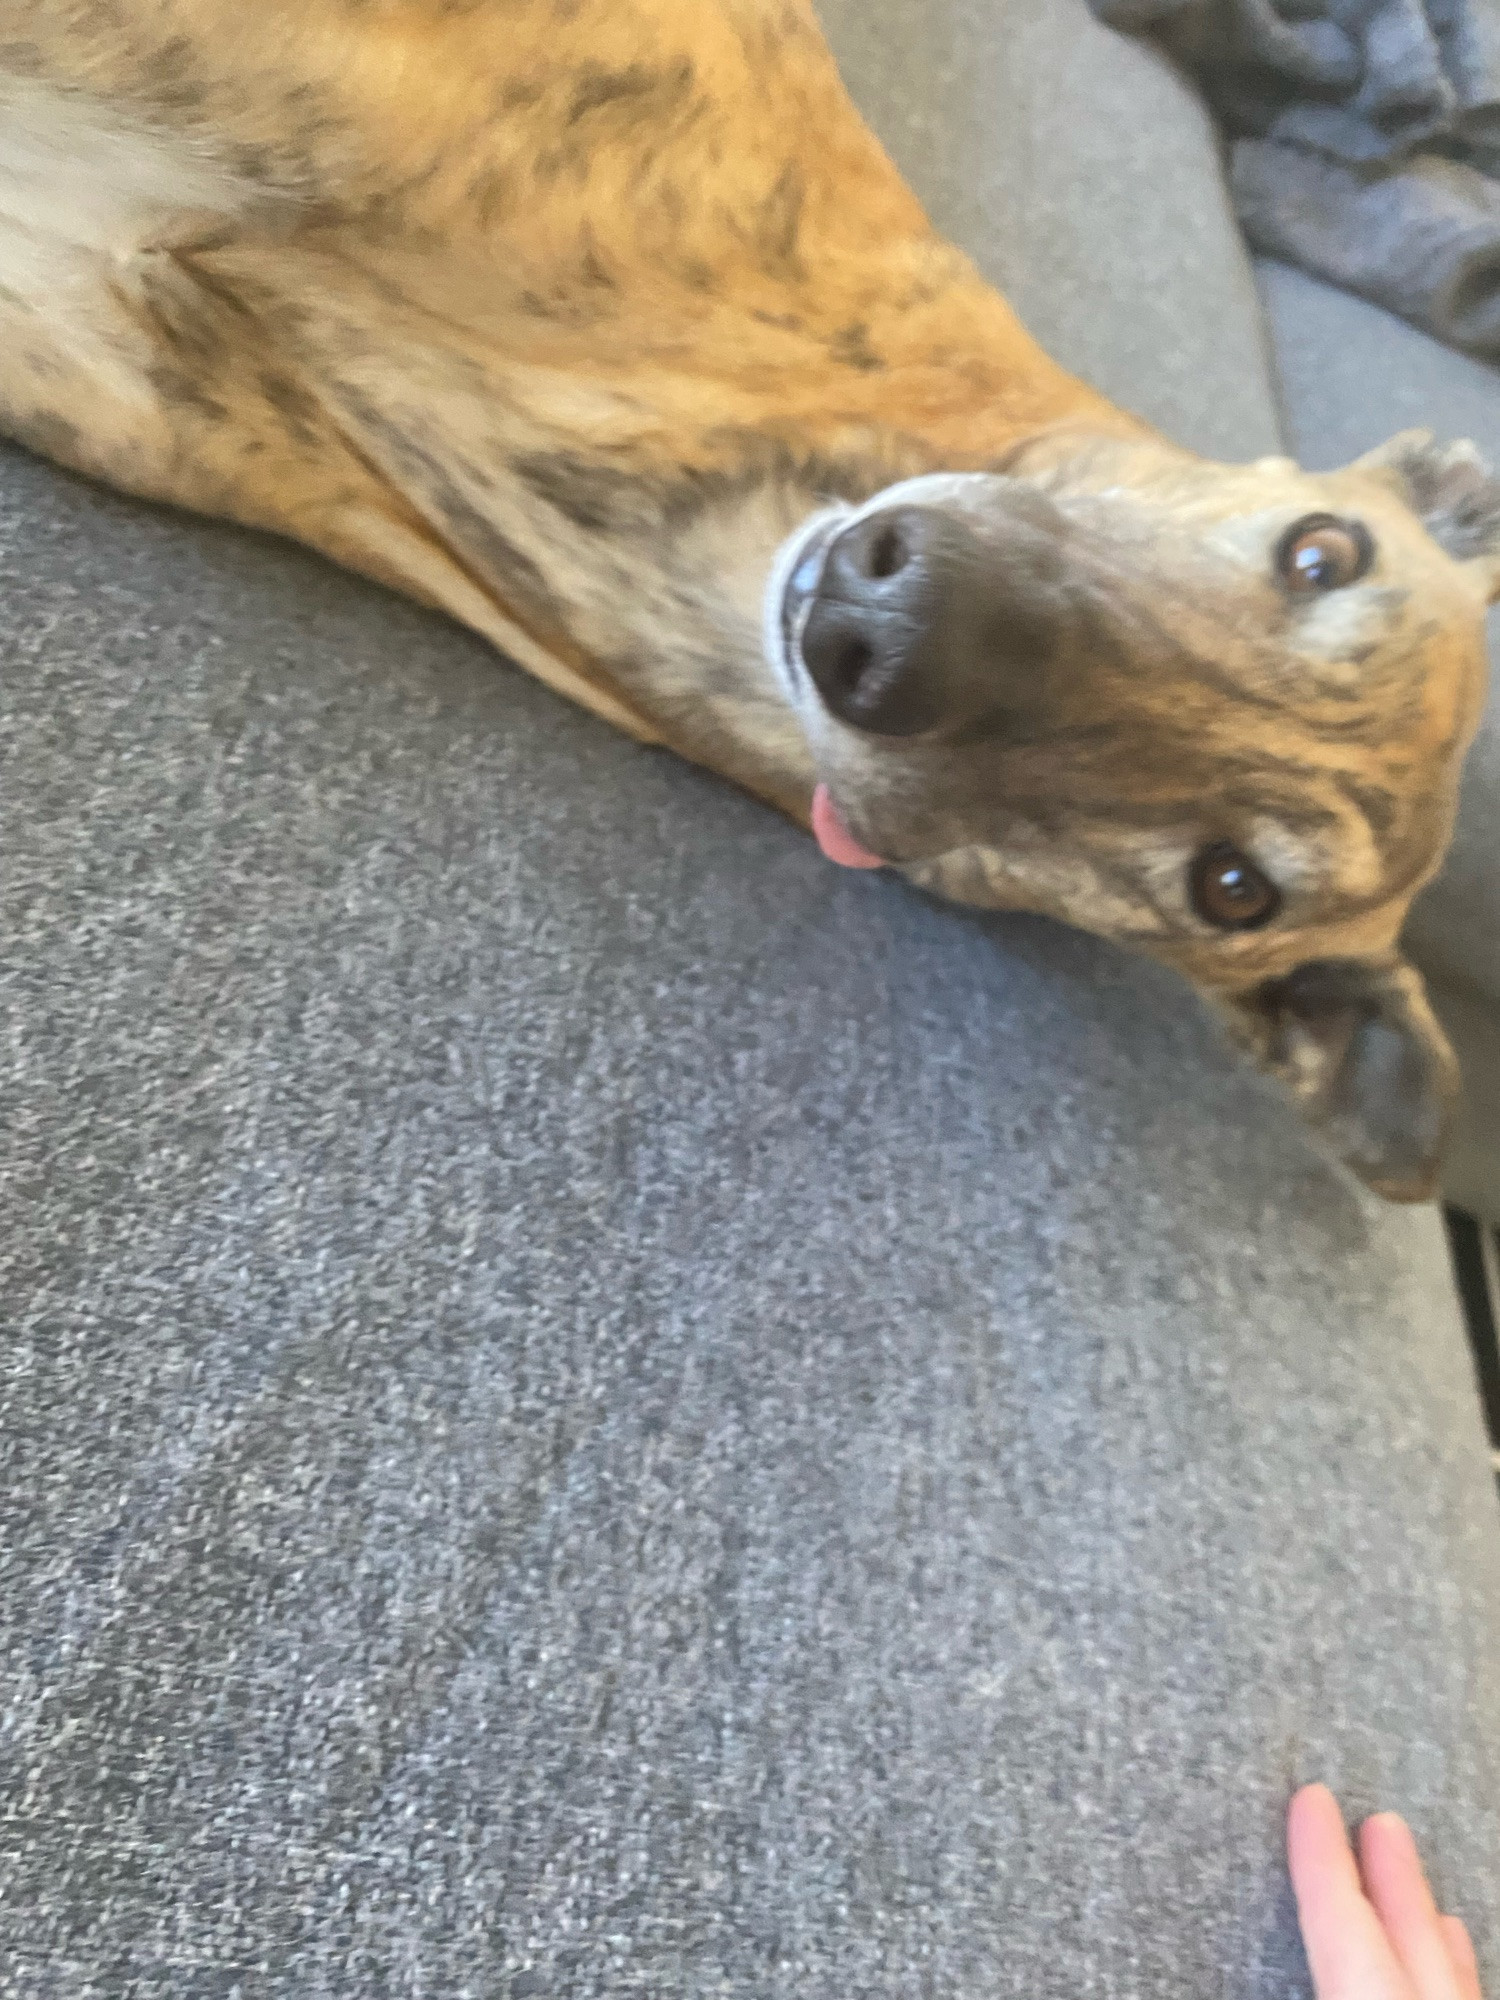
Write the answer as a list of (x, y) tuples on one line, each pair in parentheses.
[(835, 839)]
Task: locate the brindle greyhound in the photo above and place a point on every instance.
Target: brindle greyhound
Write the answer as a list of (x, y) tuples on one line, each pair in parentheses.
[(608, 326)]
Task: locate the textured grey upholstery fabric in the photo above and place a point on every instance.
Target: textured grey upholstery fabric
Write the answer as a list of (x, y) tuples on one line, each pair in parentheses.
[(1357, 106), (1352, 79), (1351, 376), (1081, 171), (595, 1406), (1421, 238)]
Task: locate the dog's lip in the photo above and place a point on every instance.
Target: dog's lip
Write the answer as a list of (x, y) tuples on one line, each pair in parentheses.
[(793, 582), (806, 574)]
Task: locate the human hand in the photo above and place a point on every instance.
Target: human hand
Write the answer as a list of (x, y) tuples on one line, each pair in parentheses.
[(1372, 1931)]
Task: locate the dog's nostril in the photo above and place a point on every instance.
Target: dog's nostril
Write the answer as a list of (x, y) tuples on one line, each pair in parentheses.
[(849, 665), (887, 553)]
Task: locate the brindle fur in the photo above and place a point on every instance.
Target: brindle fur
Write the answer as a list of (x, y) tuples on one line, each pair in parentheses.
[(564, 314)]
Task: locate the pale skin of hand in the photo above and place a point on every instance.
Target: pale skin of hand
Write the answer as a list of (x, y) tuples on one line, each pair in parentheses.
[(1369, 1922)]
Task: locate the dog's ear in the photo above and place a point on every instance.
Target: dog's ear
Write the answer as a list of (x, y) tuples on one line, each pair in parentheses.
[(1357, 1045), (1452, 490)]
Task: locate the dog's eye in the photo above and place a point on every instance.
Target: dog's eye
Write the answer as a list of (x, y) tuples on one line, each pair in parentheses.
[(1323, 553), (1229, 891)]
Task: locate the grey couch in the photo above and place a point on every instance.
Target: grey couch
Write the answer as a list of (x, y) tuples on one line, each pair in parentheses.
[(594, 1406)]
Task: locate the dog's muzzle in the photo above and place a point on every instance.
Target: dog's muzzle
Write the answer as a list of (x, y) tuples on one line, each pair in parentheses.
[(909, 616)]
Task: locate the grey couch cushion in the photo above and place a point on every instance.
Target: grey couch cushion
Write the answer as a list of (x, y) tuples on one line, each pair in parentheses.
[(1351, 376), (1081, 171), (594, 1406)]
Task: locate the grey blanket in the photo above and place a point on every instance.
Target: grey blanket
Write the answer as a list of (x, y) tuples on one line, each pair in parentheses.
[(1366, 134)]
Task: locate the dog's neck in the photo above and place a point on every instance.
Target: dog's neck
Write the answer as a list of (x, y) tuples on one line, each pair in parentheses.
[(560, 480)]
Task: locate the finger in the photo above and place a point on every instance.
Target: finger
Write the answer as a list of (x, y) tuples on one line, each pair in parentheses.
[(1395, 1884), (1461, 1951), (1347, 1951)]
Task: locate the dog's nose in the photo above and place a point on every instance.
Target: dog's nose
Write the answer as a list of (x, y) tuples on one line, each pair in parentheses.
[(916, 621), (870, 632)]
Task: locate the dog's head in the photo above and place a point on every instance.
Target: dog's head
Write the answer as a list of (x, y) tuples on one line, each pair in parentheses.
[(1217, 713)]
